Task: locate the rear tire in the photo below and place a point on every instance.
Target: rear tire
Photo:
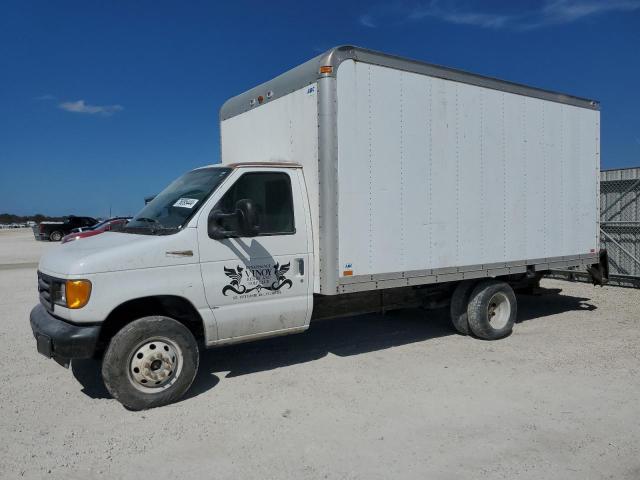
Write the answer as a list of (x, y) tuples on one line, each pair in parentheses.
[(150, 362), (492, 310), (55, 236), (459, 304)]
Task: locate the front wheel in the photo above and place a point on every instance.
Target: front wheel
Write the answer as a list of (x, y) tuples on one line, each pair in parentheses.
[(150, 362), (55, 236)]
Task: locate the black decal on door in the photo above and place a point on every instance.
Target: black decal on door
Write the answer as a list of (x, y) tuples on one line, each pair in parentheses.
[(258, 279), (236, 278)]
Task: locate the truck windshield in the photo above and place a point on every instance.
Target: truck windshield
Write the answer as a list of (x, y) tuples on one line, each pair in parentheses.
[(171, 208)]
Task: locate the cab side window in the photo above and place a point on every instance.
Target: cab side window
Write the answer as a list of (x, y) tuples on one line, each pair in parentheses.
[(271, 194)]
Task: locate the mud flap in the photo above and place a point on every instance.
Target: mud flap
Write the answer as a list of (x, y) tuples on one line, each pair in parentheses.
[(599, 272)]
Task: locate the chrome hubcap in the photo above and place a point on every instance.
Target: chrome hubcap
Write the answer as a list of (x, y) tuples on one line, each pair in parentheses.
[(155, 364)]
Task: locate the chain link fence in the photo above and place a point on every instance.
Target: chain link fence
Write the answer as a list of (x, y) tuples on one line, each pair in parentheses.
[(620, 220), (619, 227)]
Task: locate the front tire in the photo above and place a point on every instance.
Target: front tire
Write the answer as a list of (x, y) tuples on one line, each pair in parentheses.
[(151, 362), (492, 310), (55, 236)]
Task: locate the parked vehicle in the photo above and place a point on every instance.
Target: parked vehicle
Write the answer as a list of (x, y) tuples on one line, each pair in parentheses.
[(357, 182), (84, 229), (12, 225), (100, 227), (54, 231)]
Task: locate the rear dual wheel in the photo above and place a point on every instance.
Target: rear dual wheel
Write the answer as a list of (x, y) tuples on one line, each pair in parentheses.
[(459, 304), (490, 312)]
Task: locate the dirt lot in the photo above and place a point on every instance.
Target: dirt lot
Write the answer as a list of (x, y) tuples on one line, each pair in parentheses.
[(18, 247), (370, 397)]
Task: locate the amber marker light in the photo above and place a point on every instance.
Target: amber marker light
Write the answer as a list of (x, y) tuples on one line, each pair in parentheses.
[(326, 69), (77, 293)]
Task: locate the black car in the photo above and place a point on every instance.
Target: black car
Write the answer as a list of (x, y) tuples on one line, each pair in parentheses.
[(54, 231)]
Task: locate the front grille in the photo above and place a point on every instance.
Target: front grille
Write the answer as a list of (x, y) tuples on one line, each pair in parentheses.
[(45, 290)]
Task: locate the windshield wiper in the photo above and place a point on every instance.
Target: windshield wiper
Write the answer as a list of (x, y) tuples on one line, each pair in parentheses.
[(153, 228), (155, 224), (162, 228)]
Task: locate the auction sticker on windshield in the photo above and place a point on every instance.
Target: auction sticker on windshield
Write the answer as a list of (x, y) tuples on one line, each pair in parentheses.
[(185, 202)]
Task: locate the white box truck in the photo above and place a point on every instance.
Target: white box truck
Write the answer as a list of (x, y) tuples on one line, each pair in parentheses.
[(356, 182)]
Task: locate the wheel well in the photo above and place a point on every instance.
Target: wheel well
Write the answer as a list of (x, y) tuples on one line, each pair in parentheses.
[(178, 308)]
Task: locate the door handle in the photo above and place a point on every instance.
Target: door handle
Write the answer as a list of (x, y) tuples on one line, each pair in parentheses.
[(300, 262), (179, 253)]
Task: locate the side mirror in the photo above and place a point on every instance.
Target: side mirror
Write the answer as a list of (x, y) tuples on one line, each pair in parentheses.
[(214, 225), (245, 216), (248, 223)]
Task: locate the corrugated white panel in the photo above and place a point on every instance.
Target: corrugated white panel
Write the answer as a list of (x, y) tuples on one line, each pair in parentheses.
[(570, 181), (416, 176), (514, 174), (285, 129), (355, 176), (434, 173), (534, 182), (553, 160), (590, 167), (443, 182), (385, 208), (492, 197), (471, 187)]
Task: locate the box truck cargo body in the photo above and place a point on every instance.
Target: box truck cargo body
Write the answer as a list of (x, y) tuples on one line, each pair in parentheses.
[(356, 182), (418, 173)]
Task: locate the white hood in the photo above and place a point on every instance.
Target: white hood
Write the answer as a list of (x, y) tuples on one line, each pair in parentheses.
[(114, 251)]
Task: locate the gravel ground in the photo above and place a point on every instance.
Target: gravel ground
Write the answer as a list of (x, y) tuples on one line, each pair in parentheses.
[(17, 246), (368, 397)]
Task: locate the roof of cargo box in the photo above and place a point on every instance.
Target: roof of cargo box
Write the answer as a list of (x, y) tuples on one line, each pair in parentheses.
[(264, 165), (309, 72)]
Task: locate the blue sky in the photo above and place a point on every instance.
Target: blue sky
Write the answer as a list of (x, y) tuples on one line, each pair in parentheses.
[(103, 103)]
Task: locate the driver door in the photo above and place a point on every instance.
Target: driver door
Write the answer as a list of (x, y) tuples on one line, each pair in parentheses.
[(259, 286)]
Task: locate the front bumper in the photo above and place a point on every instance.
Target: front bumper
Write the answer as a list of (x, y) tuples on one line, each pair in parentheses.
[(61, 340)]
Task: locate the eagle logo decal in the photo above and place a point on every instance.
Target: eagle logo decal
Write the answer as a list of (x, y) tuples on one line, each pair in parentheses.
[(236, 278), (279, 272), (258, 278)]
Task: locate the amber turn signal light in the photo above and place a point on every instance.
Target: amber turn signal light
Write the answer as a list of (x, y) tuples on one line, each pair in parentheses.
[(77, 293)]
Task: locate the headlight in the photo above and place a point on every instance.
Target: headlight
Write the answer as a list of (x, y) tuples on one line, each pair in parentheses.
[(58, 292), (72, 294)]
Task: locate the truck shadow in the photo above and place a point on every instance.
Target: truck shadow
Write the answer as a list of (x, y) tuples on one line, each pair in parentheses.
[(342, 337), (356, 335), (549, 301)]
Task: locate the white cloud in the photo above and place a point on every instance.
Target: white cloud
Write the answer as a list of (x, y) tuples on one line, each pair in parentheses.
[(549, 12), (366, 20), (45, 97), (556, 12), (80, 106), (462, 17)]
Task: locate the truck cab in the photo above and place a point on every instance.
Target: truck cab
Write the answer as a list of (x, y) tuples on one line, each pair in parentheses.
[(223, 255)]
